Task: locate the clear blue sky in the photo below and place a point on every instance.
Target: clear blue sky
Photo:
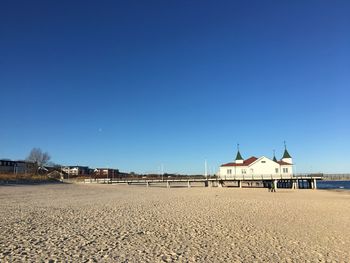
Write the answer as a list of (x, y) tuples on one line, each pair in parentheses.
[(137, 84)]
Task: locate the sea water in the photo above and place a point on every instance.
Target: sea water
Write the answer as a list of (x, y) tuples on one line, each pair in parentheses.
[(333, 185)]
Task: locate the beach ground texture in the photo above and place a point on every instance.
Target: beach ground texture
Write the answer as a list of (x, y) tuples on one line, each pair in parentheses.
[(119, 223)]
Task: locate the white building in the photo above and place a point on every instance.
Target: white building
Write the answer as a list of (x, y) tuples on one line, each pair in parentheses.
[(75, 170), (257, 167)]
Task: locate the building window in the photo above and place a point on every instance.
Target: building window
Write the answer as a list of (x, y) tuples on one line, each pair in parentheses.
[(285, 170), (263, 161), (276, 169), (229, 171), (244, 171)]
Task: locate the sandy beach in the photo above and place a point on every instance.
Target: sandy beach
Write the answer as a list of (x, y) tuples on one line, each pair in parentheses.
[(117, 223)]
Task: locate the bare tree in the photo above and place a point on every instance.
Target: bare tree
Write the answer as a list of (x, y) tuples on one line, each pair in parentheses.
[(39, 158)]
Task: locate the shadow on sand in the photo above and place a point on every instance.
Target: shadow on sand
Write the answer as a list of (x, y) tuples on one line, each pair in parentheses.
[(29, 182)]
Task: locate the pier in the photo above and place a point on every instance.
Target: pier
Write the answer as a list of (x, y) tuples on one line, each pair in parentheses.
[(263, 181)]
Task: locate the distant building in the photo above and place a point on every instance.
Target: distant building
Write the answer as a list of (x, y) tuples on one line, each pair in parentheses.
[(16, 167), (7, 166), (106, 173), (24, 167), (254, 166), (76, 170)]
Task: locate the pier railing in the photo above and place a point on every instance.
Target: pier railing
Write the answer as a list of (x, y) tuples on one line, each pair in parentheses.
[(232, 178), (336, 177)]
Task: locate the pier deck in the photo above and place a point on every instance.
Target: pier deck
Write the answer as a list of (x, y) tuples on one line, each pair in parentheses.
[(294, 182)]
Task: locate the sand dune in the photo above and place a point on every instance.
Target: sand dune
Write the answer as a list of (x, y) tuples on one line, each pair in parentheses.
[(110, 223)]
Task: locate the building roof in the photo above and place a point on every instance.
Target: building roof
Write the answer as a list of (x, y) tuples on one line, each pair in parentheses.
[(106, 169), (249, 161), (283, 163), (245, 162)]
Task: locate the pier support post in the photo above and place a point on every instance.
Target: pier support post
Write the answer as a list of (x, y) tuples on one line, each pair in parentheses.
[(188, 184), (167, 184), (315, 184), (275, 184), (147, 184), (295, 184), (239, 183)]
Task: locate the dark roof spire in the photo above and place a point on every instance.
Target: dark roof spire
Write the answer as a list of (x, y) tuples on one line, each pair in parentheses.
[(238, 156), (274, 156), (286, 153)]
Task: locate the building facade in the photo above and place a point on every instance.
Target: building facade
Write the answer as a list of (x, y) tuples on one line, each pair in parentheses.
[(106, 173), (76, 170), (7, 166), (16, 167), (257, 167)]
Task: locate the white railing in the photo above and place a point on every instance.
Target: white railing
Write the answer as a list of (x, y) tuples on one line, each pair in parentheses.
[(225, 178)]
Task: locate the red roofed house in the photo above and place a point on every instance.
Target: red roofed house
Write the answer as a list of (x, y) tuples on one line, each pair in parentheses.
[(254, 166)]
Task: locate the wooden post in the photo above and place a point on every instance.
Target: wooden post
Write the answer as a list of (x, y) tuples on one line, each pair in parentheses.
[(239, 183), (167, 184), (188, 184), (315, 184), (147, 184), (275, 183)]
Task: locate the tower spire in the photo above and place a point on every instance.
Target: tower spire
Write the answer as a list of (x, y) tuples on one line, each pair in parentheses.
[(274, 156), (239, 158), (286, 153)]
